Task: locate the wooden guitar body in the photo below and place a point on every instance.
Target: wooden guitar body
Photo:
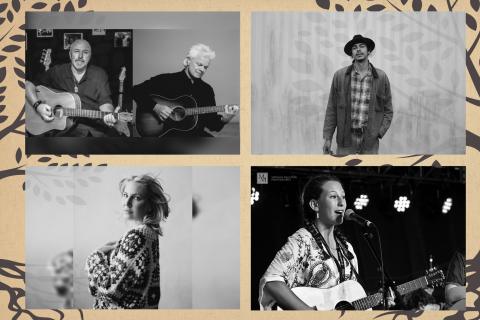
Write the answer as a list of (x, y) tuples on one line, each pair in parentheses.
[(149, 124), (35, 125)]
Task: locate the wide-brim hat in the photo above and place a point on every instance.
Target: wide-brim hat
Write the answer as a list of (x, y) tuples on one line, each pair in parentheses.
[(358, 38)]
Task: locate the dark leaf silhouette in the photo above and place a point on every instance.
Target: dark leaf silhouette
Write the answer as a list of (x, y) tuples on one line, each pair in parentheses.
[(376, 7), (2, 58), (56, 7), (18, 38), (19, 73), (20, 62), (44, 159), (3, 72), (3, 6), (404, 1), (3, 118), (39, 5), (21, 84), (324, 4), (2, 98), (2, 107), (339, 7), (2, 90), (353, 162), (16, 5), (475, 4), (22, 27), (471, 23), (53, 164), (2, 20), (18, 155), (76, 200), (11, 48), (9, 16), (436, 164), (417, 5), (23, 186), (69, 6), (431, 8), (358, 8), (82, 3)]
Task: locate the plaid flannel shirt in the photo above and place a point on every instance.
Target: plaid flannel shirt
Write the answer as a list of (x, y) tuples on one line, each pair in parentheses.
[(360, 95)]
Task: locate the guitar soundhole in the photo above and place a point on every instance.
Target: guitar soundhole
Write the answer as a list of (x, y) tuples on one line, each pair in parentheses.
[(58, 111), (344, 305), (178, 114)]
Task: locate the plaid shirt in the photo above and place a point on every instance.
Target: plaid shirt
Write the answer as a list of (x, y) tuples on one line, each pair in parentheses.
[(360, 95)]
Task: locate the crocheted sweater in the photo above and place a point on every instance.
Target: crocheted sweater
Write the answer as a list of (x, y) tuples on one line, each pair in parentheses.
[(129, 276)]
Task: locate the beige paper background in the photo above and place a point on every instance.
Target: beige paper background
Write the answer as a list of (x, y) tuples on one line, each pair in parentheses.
[(13, 160)]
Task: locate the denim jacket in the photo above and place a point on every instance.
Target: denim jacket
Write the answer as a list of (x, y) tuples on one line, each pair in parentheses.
[(338, 114)]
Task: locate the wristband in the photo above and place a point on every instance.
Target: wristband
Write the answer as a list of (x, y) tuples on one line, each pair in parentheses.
[(36, 104)]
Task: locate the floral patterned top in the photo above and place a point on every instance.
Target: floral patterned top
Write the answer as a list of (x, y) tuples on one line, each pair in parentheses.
[(302, 263), (129, 276)]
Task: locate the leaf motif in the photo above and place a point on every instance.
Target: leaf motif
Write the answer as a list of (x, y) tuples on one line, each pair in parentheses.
[(3, 6), (376, 7), (2, 107), (11, 48), (446, 53), (82, 182), (18, 155), (21, 84), (475, 4), (2, 20), (69, 6), (303, 46), (3, 118), (324, 4), (471, 23), (16, 5), (430, 45), (404, 1), (353, 162), (23, 186), (22, 27), (401, 69), (417, 5), (19, 73), (413, 36), (20, 62), (76, 200), (358, 8), (307, 85), (70, 184), (431, 8), (436, 164), (44, 159), (39, 5), (300, 65), (82, 3), (9, 16), (54, 164), (55, 7), (437, 71), (18, 38), (339, 7), (3, 73)]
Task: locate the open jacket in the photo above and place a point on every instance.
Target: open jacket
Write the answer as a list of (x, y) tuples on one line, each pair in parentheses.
[(338, 114)]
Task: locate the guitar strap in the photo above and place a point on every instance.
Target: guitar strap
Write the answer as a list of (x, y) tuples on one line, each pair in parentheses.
[(323, 244)]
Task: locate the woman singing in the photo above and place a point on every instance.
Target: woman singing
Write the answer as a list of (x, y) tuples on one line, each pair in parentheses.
[(317, 255), (126, 274)]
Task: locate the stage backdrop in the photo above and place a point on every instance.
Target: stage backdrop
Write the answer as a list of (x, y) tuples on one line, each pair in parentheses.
[(294, 57)]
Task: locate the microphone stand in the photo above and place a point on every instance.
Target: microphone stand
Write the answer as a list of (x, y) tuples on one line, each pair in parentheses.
[(384, 274)]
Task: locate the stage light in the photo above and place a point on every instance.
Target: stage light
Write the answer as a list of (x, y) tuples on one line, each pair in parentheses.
[(402, 204), (447, 205), (254, 196), (361, 202)]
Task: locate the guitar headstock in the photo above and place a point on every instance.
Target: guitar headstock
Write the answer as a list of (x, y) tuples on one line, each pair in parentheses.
[(123, 72), (435, 277), (46, 58), (231, 108)]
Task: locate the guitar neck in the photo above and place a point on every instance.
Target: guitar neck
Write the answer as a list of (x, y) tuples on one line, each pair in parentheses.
[(84, 113), (203, 110), (120, 95), (375, 299)]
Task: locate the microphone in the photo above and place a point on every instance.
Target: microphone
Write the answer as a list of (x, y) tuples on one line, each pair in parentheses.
[(350, 215)]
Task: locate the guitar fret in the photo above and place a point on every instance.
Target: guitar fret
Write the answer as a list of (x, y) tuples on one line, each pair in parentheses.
[(203, 110)]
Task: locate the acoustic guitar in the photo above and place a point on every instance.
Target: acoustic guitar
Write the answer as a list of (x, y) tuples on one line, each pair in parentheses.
[(184, 116), (350, 295), (64, 105)]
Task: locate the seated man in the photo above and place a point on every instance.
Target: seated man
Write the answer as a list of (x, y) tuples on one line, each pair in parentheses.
[(91, 85), (172, 86), (456, 282)]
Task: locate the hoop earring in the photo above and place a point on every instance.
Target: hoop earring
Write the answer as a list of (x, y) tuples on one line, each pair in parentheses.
[(317, 215)]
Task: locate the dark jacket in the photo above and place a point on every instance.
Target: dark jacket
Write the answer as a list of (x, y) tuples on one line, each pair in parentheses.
[(338, 114)]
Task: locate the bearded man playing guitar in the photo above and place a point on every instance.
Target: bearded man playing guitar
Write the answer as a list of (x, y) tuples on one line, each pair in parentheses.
[(175, 104), (91, 85)]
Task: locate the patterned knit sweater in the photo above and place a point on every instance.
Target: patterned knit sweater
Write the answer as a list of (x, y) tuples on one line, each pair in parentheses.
[(129, 276)]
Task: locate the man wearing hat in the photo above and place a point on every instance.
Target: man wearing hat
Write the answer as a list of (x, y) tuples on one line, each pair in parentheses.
[(360, 103)]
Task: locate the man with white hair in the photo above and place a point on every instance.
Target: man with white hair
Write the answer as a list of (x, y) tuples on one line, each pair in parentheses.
[(185, 82), (88, 81)]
